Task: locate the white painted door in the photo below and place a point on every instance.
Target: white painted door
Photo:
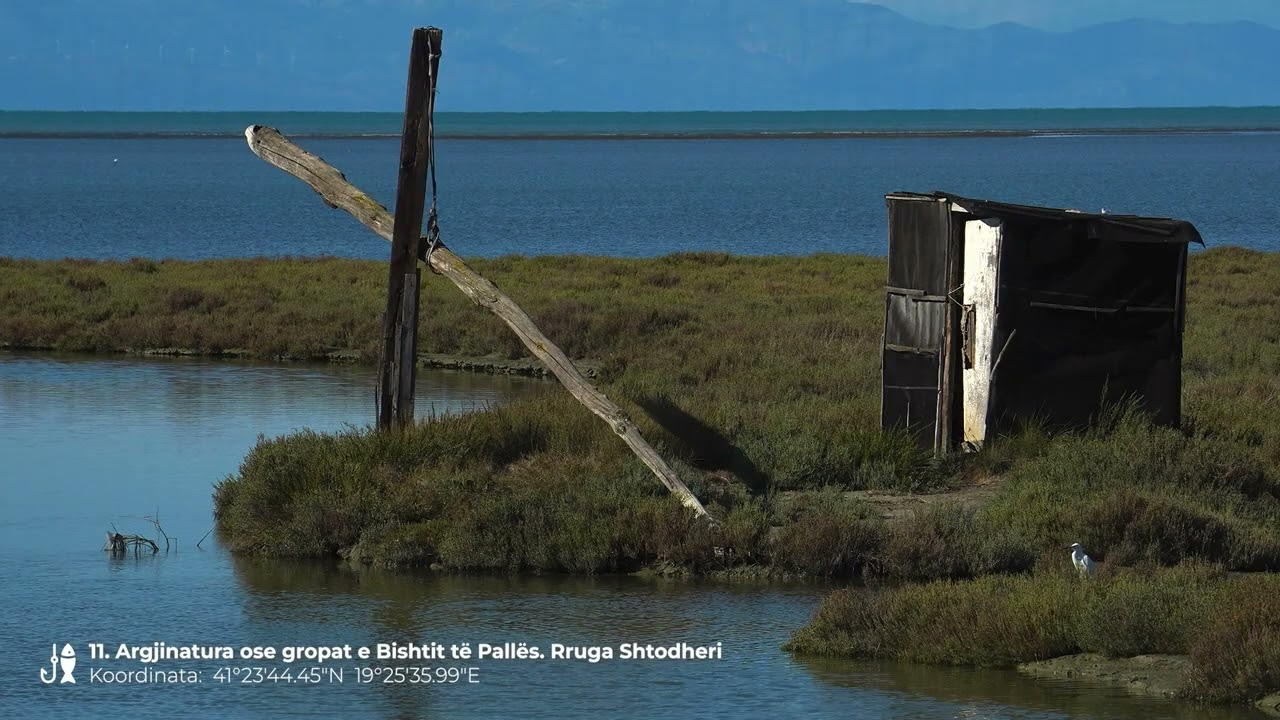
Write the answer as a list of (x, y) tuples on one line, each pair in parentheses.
[(981, 265)]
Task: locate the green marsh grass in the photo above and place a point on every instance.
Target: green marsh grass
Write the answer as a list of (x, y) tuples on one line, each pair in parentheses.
[(757, 376), (759, 379)]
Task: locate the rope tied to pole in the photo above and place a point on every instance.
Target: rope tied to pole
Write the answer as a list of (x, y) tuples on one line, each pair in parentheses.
[(432, 236)]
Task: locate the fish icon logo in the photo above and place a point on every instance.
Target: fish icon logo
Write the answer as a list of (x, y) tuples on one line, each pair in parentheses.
[(66, 661)]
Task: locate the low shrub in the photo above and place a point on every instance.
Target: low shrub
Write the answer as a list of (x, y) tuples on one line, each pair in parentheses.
[(828, 536), (950, 541), (745, 532), (1129, 528), (1236, 655), (1136, 494), (1140, 613), (1230, 625), (994, 621)]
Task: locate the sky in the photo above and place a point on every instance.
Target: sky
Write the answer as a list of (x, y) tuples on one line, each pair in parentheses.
[(1071, 14)]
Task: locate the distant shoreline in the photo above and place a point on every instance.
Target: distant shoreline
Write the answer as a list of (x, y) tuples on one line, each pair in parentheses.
[(652, 125), (661, 135)]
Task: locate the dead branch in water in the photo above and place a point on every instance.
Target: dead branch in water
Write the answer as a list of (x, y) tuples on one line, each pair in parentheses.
[(120, 544), (155, 520)]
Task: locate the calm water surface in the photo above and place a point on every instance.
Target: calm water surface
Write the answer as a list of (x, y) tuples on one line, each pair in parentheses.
[(200, 198), (87, 443)]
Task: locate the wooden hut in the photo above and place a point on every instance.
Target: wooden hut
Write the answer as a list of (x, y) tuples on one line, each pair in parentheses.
[(996, 313)]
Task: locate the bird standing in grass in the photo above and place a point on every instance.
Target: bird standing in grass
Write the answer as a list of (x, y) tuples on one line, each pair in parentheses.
[(1083, 563)]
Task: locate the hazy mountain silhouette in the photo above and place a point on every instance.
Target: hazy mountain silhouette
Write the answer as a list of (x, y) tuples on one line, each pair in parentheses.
[(607, 55)]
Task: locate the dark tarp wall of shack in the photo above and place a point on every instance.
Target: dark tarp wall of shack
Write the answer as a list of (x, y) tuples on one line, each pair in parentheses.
[(1090, 311), (1098, 320)]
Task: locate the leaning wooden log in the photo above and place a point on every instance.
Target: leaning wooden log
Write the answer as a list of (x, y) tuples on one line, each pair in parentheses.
[(332, 186)]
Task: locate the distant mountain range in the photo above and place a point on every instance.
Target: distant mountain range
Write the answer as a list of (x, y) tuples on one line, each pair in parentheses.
[(534, 55)]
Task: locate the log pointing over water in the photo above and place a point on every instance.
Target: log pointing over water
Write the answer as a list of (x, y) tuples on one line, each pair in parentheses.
[(332, 186)]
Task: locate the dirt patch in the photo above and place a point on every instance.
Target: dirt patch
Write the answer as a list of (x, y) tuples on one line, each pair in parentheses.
[(1154, 675), (894, 506)]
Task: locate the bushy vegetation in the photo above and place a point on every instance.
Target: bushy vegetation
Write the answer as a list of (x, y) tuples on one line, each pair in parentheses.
[(1229, 625), (951, 541), (529, 486), (1136, 494), (758, 377)]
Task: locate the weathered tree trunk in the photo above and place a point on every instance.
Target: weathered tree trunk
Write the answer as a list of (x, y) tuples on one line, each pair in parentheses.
[(332, 186)]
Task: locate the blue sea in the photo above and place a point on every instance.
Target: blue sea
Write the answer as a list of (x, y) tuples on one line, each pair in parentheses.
[(184, 185)]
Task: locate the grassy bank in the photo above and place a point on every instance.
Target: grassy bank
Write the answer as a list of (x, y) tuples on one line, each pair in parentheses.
[(1229, 626), (758, 377)]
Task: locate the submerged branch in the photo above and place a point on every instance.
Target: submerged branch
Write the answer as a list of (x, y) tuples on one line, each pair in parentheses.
[(119, 544)]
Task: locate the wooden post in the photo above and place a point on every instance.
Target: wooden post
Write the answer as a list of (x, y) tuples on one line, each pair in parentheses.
[(946, 370), (332, 186), (398, 374), (950, 394)]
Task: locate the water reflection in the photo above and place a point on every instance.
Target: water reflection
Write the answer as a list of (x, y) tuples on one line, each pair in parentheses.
[(371, 606), (755, 679), (195, 393)]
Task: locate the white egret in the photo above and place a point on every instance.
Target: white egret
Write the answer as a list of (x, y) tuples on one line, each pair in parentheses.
[(1083, 563)]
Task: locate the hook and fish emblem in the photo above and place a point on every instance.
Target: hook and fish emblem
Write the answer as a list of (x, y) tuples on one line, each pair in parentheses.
[(67, 661)]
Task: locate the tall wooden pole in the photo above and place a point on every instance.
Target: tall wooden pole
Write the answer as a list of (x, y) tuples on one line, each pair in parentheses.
[(398, 374)]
